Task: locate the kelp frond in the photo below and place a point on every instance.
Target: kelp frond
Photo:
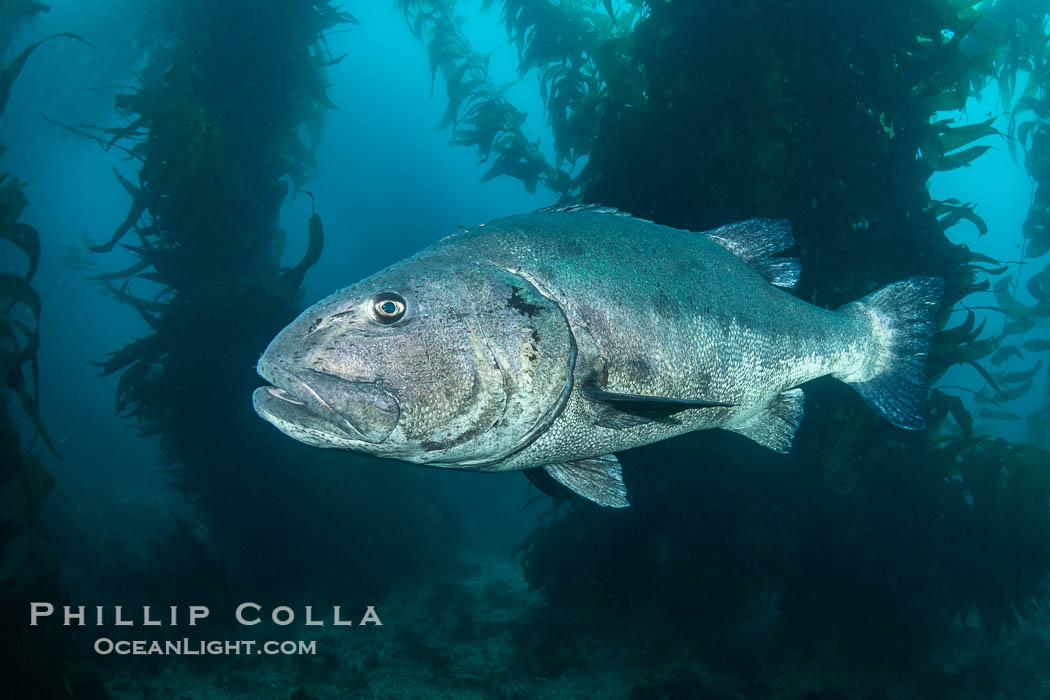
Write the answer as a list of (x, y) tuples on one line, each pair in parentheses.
[(479, 113)]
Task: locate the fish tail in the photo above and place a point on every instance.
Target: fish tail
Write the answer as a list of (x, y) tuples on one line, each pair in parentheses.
[(900, 320)]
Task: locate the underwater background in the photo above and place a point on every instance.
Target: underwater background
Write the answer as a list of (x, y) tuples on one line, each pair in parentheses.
[(182, 177)]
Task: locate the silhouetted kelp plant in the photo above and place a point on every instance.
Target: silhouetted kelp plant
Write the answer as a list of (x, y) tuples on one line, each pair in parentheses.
[(1021, 69), (25, 558), (695, 114), (575, 47), (228, 113), (31, 665), (1021, 26)]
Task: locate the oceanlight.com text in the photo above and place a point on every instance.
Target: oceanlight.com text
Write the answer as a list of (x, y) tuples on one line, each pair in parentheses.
[(191, 647)]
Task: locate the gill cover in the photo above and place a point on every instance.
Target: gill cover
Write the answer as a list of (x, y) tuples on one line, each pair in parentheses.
[(524, 353)]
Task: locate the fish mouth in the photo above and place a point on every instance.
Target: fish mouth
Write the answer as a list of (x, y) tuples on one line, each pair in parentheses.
[(323, 409)]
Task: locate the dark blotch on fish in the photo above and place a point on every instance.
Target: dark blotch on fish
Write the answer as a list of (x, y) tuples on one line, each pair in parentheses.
[(639, 369), (665, 307), (518, 303)]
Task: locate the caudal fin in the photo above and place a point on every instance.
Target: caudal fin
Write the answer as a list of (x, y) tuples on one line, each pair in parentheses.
[(902, 318)]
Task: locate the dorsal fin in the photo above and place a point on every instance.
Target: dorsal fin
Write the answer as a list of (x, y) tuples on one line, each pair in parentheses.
[(595, 208), (592, 208), (756, 241)]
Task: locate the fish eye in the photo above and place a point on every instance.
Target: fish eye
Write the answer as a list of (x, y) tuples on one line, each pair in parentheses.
[(387, 308)]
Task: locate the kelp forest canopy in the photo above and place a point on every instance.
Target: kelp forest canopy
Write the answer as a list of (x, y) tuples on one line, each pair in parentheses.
[(834, 115)]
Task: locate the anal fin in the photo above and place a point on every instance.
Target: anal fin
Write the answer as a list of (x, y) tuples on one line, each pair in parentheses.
[(775, 426), (597, 479)]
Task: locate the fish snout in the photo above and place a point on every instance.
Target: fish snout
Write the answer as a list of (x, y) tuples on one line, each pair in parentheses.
[(361, 409)]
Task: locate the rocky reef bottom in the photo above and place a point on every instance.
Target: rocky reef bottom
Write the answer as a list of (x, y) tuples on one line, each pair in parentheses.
[(478, 632)]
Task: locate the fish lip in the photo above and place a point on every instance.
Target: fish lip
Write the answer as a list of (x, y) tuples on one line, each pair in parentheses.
[(287, 385), (294, 396), (282, 395)]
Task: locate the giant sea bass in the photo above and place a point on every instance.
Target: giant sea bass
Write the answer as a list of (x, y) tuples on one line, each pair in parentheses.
[(554, 339)]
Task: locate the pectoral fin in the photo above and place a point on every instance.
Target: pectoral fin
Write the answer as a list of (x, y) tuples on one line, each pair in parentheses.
[(774, 427), (597, 479), (628, 410)]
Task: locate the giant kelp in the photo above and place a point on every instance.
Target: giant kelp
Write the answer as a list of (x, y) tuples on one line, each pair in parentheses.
[(575, 48), (580, 53), (1023, 54), (478, 110), (15, 13), (226, 117), (1015, 36), (833, 116), (25, 557), (35, 665)]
